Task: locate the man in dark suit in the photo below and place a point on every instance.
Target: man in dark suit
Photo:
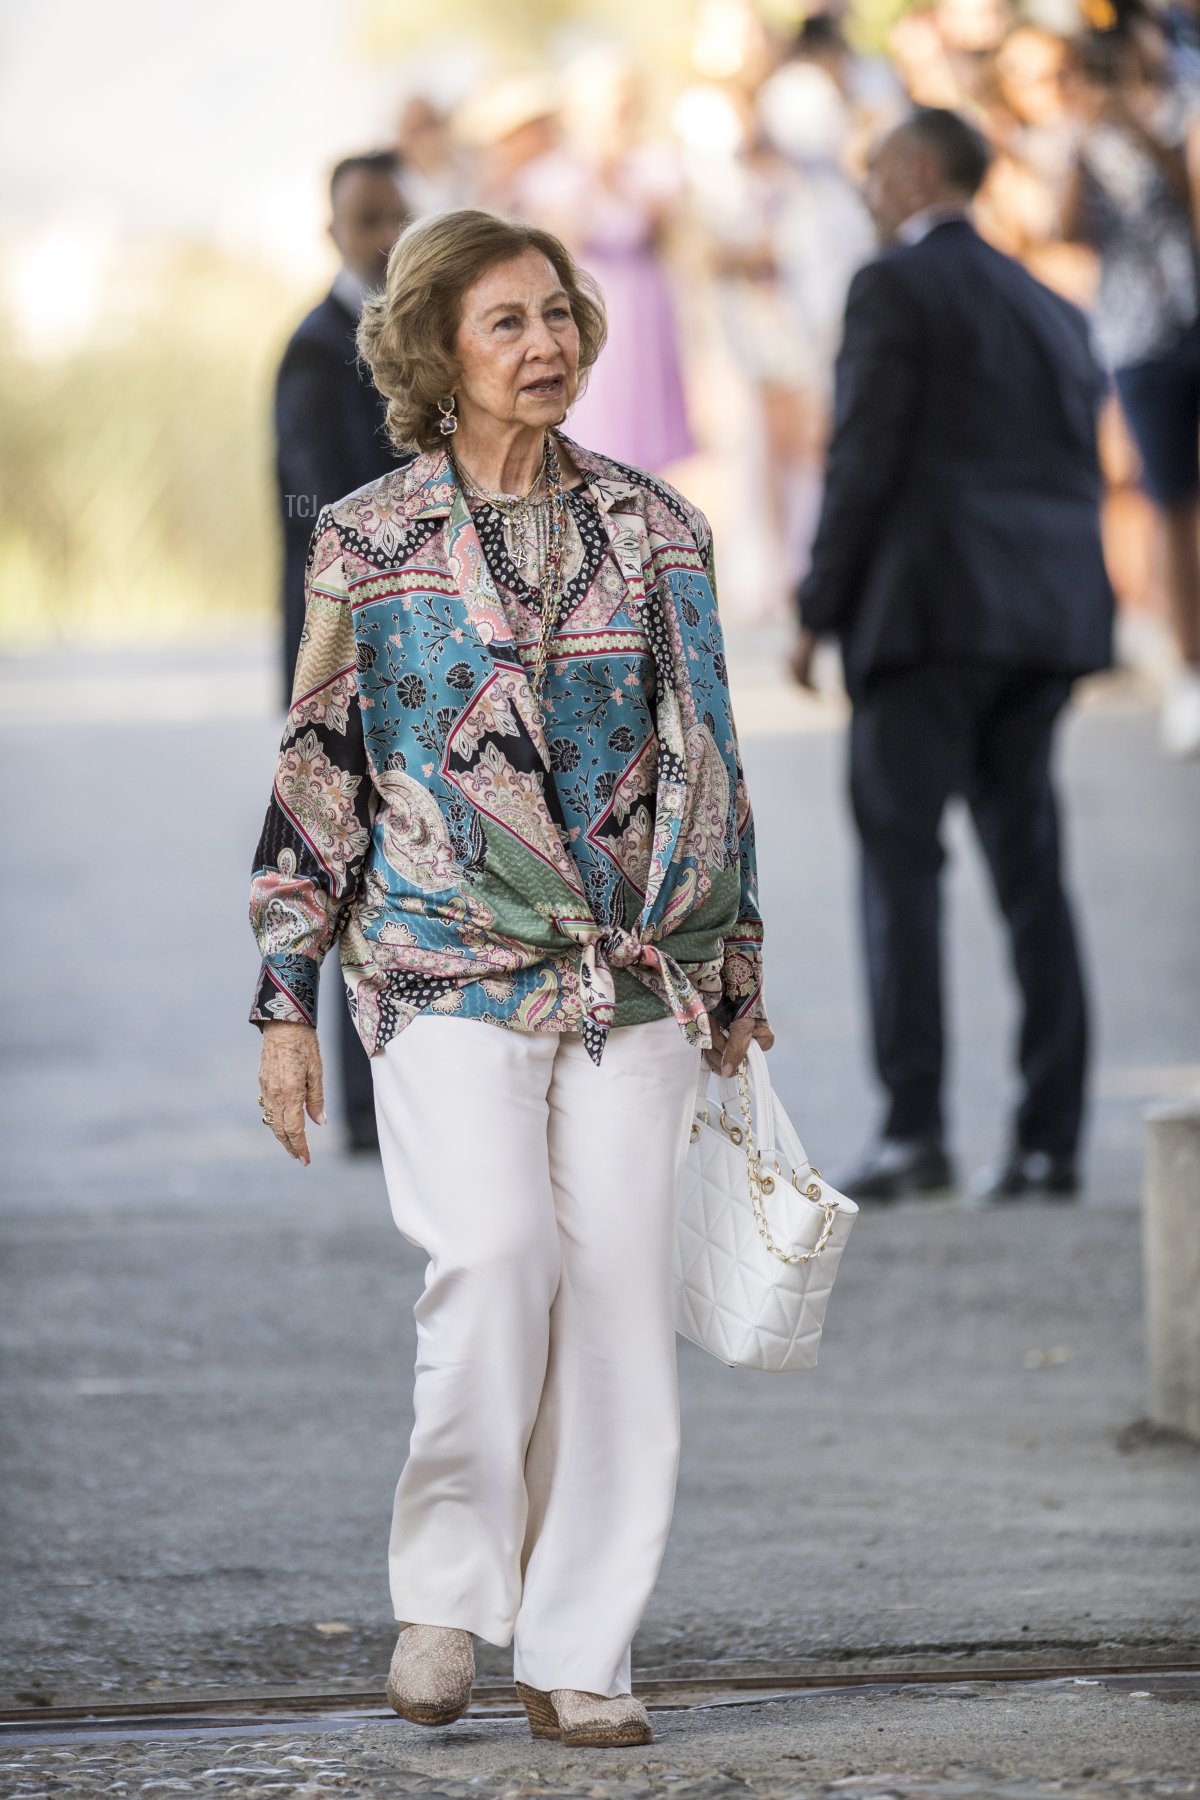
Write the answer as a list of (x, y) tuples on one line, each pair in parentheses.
[(330, 439), (958, 560), (329, 417)]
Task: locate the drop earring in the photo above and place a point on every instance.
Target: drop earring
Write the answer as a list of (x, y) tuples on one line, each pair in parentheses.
[(448, 423)]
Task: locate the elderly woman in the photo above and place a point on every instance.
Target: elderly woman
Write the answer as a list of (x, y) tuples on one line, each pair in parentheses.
[(509, 786)]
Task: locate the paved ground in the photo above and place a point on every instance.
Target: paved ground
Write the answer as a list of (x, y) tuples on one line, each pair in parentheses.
[(973, 1741), (207, 1351)]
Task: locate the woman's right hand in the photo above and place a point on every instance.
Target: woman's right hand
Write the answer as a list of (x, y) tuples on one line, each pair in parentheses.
[(289, 1079), (728, 1051)]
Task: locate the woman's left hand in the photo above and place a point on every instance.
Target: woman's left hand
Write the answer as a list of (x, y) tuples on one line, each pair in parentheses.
[(729, 1048), (290, 1078)]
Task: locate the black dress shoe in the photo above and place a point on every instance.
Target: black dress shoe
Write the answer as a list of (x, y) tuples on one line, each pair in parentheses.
[(1030, 1175), (897, 1167)]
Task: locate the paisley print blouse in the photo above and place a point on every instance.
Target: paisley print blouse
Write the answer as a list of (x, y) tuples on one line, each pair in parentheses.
[(584, 863)]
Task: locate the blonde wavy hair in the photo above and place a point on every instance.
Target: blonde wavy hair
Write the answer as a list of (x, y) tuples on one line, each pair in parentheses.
[(406, 334)]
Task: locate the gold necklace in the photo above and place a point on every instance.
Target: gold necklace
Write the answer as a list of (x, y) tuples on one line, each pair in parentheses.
[(523, 517), (552, 588), (547, 551), (500, 499)]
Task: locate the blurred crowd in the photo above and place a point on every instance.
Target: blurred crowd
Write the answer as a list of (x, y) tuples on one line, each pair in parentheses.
[(723, 218), (724, 223)]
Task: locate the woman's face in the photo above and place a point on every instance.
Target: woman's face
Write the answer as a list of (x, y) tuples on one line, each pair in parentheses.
[(517, 346), (1029, 68)]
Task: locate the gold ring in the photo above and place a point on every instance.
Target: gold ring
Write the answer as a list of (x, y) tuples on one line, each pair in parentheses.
[(269, 1119)]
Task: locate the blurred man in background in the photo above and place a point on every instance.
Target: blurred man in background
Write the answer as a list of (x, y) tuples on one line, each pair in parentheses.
[(958, 559), (330, 439), (329, 417)]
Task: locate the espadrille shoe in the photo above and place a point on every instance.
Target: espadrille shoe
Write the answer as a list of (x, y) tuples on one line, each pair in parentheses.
[(586, 1721), (433, 1667)]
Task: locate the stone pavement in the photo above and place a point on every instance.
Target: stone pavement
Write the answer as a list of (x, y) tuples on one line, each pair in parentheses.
[(972, 1741), (207, 1351)]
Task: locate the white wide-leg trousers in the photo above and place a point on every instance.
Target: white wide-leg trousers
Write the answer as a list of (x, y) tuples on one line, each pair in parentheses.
[(537, 1495)]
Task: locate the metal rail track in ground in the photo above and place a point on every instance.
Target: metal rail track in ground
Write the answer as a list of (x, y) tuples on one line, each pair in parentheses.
[(498, 1700)]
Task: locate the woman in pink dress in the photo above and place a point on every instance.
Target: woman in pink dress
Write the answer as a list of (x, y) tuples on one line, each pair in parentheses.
[(611, 200)]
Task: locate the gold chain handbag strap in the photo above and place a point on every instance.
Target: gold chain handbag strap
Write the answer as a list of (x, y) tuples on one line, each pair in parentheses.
[(761, 1184)]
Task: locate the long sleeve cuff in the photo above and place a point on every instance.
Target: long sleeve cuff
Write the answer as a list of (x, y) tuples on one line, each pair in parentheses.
[(742, 971), (287, 991)]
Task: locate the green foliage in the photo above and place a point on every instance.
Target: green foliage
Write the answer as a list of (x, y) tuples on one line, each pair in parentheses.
[(522, 32), (869, 21), (137, 495)]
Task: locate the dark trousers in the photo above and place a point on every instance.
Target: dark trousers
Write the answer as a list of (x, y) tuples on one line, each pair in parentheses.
[(918, 736), (354, 1065)]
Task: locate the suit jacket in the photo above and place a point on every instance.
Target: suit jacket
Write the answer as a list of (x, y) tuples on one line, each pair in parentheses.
[(330, 439), (961, 514)]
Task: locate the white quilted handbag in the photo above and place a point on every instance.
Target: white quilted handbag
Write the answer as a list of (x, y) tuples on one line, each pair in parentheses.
[(760, 1233)]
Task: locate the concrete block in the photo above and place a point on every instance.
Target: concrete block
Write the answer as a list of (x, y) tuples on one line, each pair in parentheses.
[(1171, 1258)]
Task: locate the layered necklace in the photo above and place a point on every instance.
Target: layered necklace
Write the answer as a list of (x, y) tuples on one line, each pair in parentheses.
[(534, 528)]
